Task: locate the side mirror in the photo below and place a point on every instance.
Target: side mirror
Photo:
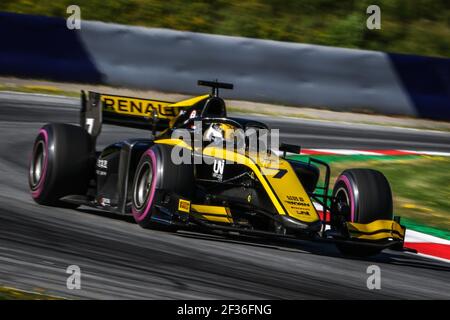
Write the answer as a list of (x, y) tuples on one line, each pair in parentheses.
[(292, 148)]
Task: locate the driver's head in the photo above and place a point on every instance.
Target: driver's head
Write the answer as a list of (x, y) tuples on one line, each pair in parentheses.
[(214, 133), (217, 132)]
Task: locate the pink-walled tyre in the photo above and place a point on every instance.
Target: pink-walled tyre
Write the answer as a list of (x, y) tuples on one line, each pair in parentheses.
[(60, 164), (361, 196), (156, 177)]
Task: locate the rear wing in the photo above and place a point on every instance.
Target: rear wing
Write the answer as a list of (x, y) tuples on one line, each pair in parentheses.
[(155, 115), (98, 108)]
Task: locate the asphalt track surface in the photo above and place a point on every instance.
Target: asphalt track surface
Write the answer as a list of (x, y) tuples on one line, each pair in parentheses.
[(119, 260)]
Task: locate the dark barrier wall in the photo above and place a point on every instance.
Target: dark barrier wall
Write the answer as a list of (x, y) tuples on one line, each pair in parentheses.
[(262, 70), (35, 46), (427, 82)]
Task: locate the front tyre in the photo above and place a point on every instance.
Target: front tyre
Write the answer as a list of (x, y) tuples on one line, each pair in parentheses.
[(157, 177), (361, 196), (60, 163)]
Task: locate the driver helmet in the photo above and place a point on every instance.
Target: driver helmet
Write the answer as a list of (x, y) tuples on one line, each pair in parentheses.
[(214, 133)]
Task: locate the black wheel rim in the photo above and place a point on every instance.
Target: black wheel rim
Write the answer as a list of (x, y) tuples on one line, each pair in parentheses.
[(143, 185), (342, 203), (37, 164)]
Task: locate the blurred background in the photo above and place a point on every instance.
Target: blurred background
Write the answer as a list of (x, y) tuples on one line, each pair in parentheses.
[(351, 96), (416, 27)]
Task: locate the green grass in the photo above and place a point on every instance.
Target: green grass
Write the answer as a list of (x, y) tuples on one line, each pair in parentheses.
[(7, 293), (39, 89), (420, 185), (419, 27)]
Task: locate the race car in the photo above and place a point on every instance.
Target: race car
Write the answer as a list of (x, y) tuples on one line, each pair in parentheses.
[(197, 167)]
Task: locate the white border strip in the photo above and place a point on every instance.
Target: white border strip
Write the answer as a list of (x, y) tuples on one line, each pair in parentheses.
[(429, 256), (373, 153), (429, 153), (416, 236)]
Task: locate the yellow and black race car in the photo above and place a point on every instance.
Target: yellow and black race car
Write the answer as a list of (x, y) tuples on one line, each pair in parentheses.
[(201, 168)]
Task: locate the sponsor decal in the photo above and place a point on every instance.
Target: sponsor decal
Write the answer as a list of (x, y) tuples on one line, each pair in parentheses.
[(298, 204), (102, 163), (184, 205), (102, 166), (218, 168), (138, 107)]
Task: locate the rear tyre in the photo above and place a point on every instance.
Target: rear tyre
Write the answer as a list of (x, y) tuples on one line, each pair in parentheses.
[(60, 164), (157, 176), (361, 196)]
